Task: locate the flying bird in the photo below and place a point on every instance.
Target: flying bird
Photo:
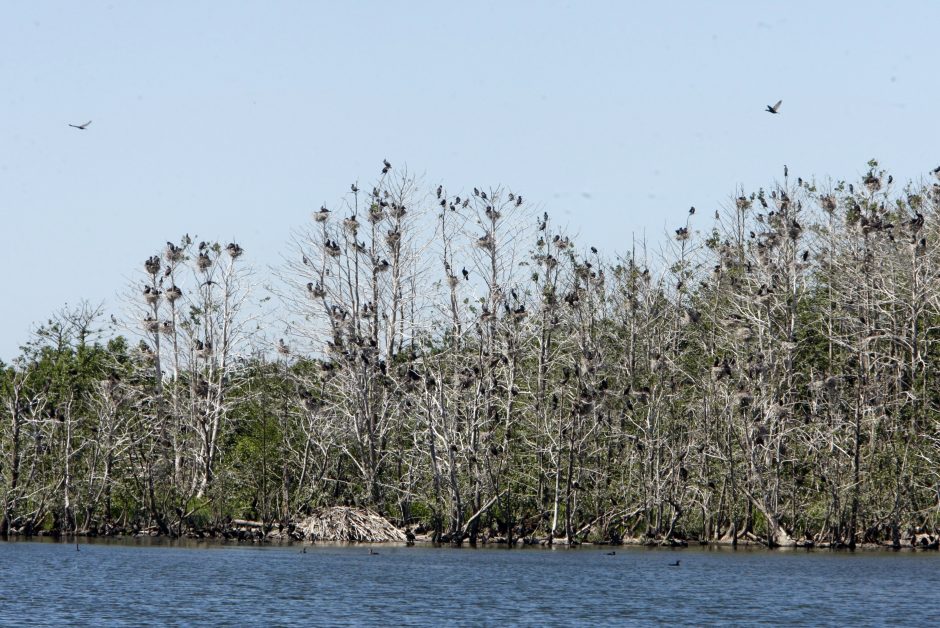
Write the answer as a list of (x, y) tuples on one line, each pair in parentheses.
[(81, 127), (775, 108)]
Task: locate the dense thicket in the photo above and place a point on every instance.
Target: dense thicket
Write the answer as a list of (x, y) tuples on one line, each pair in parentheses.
[(462, 364)]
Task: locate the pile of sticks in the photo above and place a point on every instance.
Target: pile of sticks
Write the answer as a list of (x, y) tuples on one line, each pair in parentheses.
[(342, 523)]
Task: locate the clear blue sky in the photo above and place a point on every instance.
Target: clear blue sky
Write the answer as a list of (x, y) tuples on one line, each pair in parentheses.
[(235, 119)]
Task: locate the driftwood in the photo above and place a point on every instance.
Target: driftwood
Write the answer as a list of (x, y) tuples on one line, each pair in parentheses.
[(476, 515), (349, 524)]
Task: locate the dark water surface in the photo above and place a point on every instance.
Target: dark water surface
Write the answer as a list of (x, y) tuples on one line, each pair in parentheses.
[(137, 583)]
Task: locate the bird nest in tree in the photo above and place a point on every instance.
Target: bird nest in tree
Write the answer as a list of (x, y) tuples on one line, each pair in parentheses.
[(151, 324), (351, 225), (342, 523), (376, 214)]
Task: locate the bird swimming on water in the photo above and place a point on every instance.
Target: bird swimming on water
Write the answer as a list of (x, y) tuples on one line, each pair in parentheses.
[(775, 108), (675, 564)]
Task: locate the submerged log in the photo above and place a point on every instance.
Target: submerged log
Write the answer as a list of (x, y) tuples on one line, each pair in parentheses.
[(342, 523)]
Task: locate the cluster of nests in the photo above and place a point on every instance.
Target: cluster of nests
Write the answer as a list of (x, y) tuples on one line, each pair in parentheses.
[(154, 325), (200, 349), (869, 219), (175, 254), (516, 313), (381, 207), (333, 249), (152, 294)]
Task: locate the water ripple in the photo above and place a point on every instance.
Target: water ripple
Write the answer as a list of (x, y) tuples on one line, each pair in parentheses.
[(138, 583)]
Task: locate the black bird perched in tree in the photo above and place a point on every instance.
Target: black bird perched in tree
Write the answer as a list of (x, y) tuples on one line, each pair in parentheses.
[(936, 172), (466, 273), (691, 210), (440, 189), (354, 188), (80, 127), (594, 250), (786, 172), (775, 108), (386, 166)]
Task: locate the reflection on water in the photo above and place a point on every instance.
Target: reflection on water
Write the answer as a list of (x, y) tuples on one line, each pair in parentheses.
[(135, 583)]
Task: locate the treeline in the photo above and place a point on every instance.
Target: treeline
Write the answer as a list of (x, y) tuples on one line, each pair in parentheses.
[(459, 363)]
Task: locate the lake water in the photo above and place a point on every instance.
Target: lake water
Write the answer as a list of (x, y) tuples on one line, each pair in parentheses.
[(142, 583)]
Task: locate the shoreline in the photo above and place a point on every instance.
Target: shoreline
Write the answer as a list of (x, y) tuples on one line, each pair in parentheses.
[(158, 540)]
